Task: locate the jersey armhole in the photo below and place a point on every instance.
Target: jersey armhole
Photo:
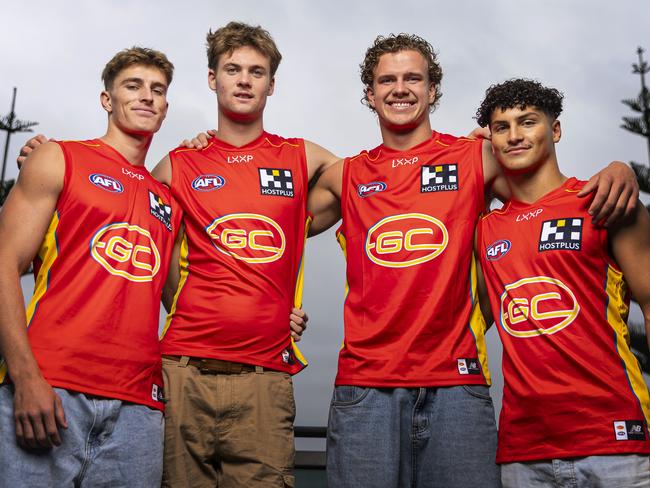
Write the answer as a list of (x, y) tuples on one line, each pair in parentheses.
[(480, 175), (344, 194), (67, 176)]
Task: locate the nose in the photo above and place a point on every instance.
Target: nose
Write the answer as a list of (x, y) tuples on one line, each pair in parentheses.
[(244, 78), (400, 87), (514, 136), (146, 94)]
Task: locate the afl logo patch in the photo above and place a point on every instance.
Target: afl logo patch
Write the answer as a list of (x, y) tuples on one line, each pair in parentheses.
[(497, 250), (107, 183), (370, 188), (208, 182)]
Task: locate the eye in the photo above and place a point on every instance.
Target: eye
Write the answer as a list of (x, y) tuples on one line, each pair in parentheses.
[(131, 86), (159, 91), (231, 70)]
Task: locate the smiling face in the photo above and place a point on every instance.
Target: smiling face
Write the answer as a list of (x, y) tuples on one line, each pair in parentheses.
[(242, 82), (136, 102), (523, 139), (401, 91)]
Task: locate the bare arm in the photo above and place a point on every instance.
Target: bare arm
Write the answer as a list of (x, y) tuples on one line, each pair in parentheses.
[(29, 147), (318, 160), (163, 171), (324, 200), (630, 245), (24, 220)]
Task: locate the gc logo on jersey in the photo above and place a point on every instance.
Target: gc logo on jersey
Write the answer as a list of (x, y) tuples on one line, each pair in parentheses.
[(127, 251), (537, 306), (249, 237), (370, 188), (441, 177), (497, 250), (276, 181), (107, 183), (208, 182), (561, 234), (406, 240), (160, 210)]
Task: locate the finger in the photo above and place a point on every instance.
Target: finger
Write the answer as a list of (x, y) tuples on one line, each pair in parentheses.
[(298, 311), (620, 207), (602, 190), (187, 143), (20, 161), (296, 327), (590, 186), (610, 204), (28, 432), (212, 132), (40, 432), (196, 143), (20, 436), (51, 430), (202, 140), (295, 337), (59, 413), (632, 203)]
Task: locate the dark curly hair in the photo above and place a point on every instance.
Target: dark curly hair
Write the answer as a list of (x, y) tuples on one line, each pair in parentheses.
[(395, 43), (519, 92)]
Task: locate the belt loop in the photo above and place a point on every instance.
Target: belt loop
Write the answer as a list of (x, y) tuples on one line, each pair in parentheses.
[(184, 361), (259, 369)]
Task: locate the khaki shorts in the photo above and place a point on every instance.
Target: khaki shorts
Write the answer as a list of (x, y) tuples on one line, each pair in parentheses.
[(227, 430)]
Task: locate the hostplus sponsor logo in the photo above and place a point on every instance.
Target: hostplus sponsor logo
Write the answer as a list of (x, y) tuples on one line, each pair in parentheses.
[(561, 234), (440, 177), (276, 182), (370, 188), (239, 158), (161, 210), (107, 183), (398, 162)]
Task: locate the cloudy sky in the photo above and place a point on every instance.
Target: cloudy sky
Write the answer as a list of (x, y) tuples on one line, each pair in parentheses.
[(54, 53)]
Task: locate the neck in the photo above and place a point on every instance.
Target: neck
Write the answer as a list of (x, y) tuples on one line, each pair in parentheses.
[(529, 187), (239, 132), (133, 147), (403, 140)]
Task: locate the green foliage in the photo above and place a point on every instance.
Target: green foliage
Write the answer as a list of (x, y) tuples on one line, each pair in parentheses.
[(5, 189)]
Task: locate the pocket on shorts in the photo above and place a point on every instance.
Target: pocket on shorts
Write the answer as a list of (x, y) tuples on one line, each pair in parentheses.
[(478, 391), (346, 396)]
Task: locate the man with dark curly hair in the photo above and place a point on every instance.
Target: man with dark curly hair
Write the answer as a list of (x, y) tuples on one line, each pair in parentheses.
[(411, 406), (575, 404)]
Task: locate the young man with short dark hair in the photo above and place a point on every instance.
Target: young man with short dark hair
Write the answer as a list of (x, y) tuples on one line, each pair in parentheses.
[(575, 406)]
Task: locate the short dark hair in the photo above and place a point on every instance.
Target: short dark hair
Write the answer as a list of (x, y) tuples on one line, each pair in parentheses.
[(519, 92), (395, 43), (136, 55), (237, 34)]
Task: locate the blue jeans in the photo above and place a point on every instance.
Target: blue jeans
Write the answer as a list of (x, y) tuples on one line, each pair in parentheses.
[(107, 443), (412, 438), (620, 471)]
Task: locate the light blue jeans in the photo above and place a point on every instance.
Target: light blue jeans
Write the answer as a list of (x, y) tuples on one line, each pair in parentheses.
[(412, 438), (620, 471), (107, 443)]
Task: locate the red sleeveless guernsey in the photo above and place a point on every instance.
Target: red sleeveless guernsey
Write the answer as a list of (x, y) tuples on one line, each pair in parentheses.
[(241, 260), (572, 386), (408, 218), (93, 320)]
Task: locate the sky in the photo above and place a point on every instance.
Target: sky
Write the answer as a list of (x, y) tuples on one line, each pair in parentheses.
[(54, 53)]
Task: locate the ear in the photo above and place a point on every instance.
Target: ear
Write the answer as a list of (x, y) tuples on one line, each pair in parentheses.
[(370, 96), (105, 100), (271, 87), (432, 92), (212, 80), (557, 131)]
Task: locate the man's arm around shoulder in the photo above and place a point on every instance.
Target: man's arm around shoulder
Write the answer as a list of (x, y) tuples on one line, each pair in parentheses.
[(24, 220)]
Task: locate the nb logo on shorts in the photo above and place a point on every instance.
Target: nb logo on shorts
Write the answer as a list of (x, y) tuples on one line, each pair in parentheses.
[(537, 306), (249, 237), (406, 240), (127, 251)]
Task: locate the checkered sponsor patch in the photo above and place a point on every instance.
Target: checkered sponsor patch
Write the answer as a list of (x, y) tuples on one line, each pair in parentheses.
[(440, 177), (276, 181), (160, 210), (561, 234)]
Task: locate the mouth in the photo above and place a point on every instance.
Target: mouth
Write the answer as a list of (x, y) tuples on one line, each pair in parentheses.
[(517, 150), (147, 112), (244, 95), (401, 104)]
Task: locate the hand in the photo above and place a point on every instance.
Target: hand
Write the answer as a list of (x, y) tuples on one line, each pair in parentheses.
[(298, 322), (617, 193), (201, 140), (38, 414), (29, 146), (480, 133)]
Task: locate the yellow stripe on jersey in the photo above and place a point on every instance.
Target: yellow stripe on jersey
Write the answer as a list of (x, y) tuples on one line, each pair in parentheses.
[(297, 297), (477, 322), (183, 262), (47, 253), (281, 144), (186, 149), (344, 247), (617, 311)]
